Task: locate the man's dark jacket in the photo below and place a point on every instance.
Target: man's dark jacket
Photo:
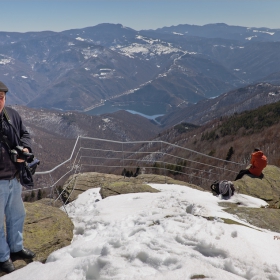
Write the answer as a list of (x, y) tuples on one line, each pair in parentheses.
[(17, 137)]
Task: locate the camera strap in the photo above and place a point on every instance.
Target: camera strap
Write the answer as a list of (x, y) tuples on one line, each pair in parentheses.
[(11, 124), (3, 138)]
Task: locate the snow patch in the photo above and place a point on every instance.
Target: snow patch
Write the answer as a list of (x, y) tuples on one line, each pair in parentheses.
[(250, 38), (259, 31), (159, 236), (147, 40), (5, 61), (88, 53), (176, 33), (273, 93), (148, 50), (80, 39)]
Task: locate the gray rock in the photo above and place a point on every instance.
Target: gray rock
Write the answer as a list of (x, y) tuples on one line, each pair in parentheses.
[(267, 188), (111, 184), (46, 230), (266, 218)]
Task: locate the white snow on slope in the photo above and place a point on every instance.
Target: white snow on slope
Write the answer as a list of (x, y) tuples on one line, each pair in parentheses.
[(159, 236), (144, 49), (270, 33), (7, 60)]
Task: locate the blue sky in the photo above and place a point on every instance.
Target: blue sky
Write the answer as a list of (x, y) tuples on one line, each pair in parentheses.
[(59, 15)]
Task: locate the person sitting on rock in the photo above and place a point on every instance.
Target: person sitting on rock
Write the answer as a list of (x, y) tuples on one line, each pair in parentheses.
[(258, 163)]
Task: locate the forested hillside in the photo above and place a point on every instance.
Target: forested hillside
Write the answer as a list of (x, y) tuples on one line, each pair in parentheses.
[(230, 138)]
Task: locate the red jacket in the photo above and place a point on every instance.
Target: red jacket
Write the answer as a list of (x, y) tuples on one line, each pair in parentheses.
[(258, 163)]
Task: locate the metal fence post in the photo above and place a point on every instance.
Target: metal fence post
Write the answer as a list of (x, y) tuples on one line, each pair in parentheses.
[(163, 161), (123, 161)]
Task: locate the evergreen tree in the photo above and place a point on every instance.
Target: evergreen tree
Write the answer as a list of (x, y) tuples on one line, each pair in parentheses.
[(229, 154), (39, 195), (32, 195), (65, 194), (124, 172)]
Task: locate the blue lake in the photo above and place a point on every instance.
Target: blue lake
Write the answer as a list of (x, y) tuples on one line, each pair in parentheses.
[(149, 112)]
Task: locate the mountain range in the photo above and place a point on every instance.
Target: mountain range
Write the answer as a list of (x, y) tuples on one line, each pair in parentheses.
[(227, 104), (193, 76), (115, 66)]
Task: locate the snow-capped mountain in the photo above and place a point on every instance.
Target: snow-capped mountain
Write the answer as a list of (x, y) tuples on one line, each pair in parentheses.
[(167, 68), (221, 30)]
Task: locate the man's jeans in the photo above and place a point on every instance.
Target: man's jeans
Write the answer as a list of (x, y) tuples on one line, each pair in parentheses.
[(11, 206)]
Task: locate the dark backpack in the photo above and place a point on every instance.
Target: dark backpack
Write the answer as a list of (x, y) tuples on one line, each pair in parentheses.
[(33, 165), (224, 187)]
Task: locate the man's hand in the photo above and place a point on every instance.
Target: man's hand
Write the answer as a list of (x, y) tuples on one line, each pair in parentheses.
[(24, 150)]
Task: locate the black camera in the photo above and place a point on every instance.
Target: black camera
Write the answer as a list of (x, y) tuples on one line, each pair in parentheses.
[(18, 153)]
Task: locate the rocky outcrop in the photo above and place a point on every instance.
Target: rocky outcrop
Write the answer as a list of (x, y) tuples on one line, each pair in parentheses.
[(266, 218), (125, 187), (267, 188), (46, 230), (111, 184)]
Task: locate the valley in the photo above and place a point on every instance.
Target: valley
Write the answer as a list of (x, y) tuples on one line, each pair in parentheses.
[(112, 82), (108, 65)]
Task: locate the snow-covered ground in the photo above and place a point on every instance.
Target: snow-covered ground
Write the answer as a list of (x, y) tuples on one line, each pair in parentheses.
[(159, 236)]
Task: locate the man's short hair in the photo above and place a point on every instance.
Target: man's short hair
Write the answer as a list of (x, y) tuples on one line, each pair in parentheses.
[(257, 150)]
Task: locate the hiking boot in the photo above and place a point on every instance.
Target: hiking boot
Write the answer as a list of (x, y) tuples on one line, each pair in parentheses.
[(7, 266), (23, 254)]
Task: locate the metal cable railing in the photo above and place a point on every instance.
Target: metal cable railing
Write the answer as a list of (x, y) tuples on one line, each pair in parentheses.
[(117, 157)]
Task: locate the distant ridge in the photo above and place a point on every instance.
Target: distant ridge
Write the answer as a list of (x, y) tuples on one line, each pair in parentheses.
[(227, 104), (177, 66)]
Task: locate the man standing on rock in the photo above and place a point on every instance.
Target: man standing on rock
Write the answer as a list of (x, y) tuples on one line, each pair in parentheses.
[(258, 163), (12, 133)]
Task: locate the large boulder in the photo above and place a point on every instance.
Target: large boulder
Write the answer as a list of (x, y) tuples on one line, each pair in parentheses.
[(46, 230), (111, 184), (267, 188), (117, 188), (266, 218)]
